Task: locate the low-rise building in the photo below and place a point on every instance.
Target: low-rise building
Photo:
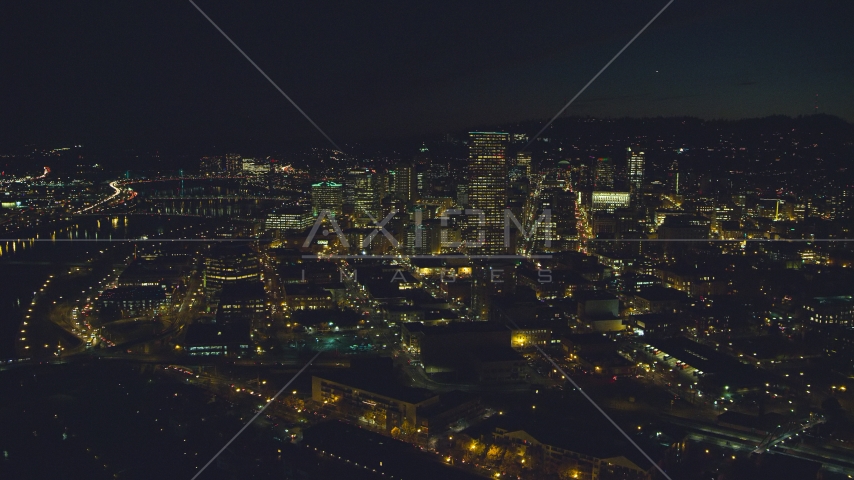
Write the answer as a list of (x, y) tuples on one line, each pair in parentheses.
[(478, 350), (593, 460), (659, 300), (360, 398), (211, 339), (163, 271), (302, 296), (405, 314), (132, 300), (492, 365), (600, 311), (696, 282), (656, 325), (528, 337), (830, 310)]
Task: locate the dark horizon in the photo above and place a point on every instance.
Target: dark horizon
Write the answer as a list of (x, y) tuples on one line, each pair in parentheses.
[(405, 145), (160, 73)]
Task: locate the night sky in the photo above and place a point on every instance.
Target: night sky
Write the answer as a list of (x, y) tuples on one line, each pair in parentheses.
[(149, 72)]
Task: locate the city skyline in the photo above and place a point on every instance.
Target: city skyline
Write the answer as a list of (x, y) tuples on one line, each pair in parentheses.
[(447, 240)]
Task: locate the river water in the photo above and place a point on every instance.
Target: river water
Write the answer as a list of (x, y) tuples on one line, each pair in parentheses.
[(25, 264), (170, 209)]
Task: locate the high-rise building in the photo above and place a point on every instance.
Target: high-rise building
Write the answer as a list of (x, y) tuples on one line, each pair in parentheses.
[(326, 196), (636, 160), (582, 176), (673, 177), (404, 182), (462, 194), (349, 193), (289, 219), (604, 179), (487, 190), (243, 304), (523, 161), (421, 181), (233, 163), (252, 166), (229, 263), (361, 190), (210, 165), (560, 205), (606, 201)]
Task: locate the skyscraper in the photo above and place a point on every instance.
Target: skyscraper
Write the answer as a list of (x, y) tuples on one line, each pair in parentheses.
[(403, 182), (487, 190), (326, 196), (604, 179), (523, 160), (673, 177), (636, 160), (362, 191), (229, 263)]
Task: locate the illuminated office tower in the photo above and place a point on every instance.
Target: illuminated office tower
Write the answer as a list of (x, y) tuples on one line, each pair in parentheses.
[(361, 190), (636, 160), (582, 176), (403, 182), (326, 196), (349, 190), (463, 194), (673, 177), (229, 263), (421, 179), (293, 219), (233, 163), (487, 190), (252, 166), (523, 161), (607, 201), (604, 179)]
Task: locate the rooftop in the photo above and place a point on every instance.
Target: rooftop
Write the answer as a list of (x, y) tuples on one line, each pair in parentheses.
[(133, 293), (661, 294), (498, 354), (242, 291), (592, 295), (206, 334), (368, 381), (456, 328), (304, 289)]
